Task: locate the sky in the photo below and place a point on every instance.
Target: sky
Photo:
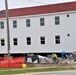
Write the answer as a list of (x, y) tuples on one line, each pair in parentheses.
[(12, 4)]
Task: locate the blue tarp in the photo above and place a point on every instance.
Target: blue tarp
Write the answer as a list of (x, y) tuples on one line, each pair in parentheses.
[(63, 53)]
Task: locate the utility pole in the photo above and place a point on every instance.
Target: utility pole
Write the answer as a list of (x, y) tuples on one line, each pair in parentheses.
[(7, 23)]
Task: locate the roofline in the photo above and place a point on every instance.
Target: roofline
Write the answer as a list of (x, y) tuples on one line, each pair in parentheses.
[(42, 9)]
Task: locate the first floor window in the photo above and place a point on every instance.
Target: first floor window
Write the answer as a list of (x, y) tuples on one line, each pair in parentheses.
[(15, 41), (57, 39), (2, 42), (28, 41), (42, 39)]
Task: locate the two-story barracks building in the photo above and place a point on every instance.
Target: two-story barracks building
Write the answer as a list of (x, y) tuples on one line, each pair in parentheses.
[(40, 29)]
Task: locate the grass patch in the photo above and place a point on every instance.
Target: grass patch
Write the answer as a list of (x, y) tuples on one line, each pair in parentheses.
[(28, 70)]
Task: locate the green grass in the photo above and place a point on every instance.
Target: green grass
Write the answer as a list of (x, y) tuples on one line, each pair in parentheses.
[(28, 70)]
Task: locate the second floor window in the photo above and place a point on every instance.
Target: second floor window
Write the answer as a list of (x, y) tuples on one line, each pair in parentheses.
[(1, 25), (27, 22), (2, 42), (14, 24), (57, 20), (15, 41), (41, 21)]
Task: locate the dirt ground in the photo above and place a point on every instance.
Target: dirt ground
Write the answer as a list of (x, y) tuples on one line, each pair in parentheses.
[(65, 63)]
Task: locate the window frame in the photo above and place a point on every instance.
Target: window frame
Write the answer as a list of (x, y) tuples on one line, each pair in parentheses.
[(2, 25), (28, 39), (28, 23), (15, 41), (57, 39), (14, 23), (57, 20), (2, 42), (42, 22), (42, 40)]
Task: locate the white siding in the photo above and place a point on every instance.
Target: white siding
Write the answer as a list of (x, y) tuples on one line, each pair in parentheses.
[(3, 34), (50, 30)]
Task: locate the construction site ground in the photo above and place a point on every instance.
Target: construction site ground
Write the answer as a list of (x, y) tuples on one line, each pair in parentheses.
[(63, 63)]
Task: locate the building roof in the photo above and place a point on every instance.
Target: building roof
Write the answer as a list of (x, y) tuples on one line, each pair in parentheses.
[(62, 7)]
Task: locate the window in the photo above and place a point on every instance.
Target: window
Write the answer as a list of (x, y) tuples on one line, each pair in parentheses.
[(42, 39), (27, 22), (28, 41), (57, 39), (41, 21), (2, 42), (57, 20), (1, 25), (15, 41), (14, 24)]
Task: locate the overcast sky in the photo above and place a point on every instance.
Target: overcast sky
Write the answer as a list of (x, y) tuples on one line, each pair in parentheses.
[(28, 3)]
